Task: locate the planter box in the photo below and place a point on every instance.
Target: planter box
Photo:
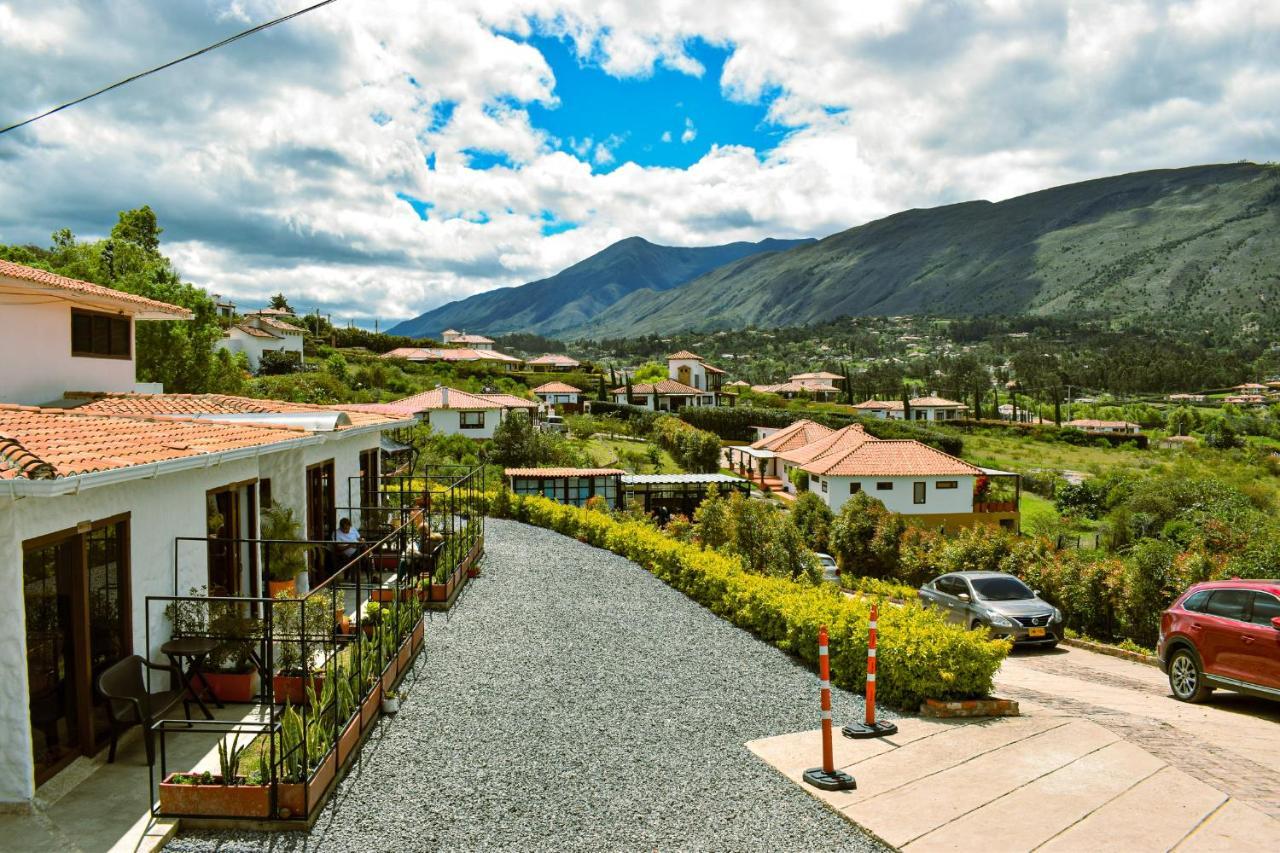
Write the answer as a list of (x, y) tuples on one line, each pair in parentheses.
[(386, 562), (294, 687), (387, 594), (418, 631), (404, 655), (372, 706), (988, 707), (293, 800), (214, 800), (234, 686), (349, 739), (389, 675)]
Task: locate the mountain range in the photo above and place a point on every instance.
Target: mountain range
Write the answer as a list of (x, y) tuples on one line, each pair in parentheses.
[(577, 297), (1185, 244)]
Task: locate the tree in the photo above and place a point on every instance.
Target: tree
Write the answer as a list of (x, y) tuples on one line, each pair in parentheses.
[(812, 517), (280, 303), (602, 393), (517, 443), (855, 537), (650, 371), (139, 228), (1182, 420)]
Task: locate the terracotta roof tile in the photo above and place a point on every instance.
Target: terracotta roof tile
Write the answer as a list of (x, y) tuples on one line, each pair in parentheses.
[(890, 458), (449, 354), (821, 374), (51, 443), (556, 388), (666, 386), (838, 441), (254, 331), (212, 404), (797, 435), (562, 472), (684, 353), (75, 286), (434, 399), (556, 359)]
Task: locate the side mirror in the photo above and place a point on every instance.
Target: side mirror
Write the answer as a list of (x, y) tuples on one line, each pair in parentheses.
[(1275, 622), (964, 596), (1036, 593)]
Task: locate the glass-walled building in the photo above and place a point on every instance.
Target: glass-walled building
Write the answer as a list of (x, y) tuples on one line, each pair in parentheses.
[(574, 486)]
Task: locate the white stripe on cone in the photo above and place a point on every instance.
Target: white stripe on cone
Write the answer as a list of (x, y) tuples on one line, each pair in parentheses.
[(871, 676), (822, 650), (871, 653)]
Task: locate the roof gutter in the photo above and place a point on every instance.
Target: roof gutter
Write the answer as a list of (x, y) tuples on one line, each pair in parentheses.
[(74, 484)]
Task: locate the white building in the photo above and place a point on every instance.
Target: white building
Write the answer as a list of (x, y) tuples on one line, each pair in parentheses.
[(922, 409), (96, 491), (261, 333), (559, 396), (665, 396), (452, 336), (1094, 425), (691, 370), (453, 412), (554, 362)]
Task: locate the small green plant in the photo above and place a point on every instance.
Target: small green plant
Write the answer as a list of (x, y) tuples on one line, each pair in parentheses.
[(284, 561), (229, 760)]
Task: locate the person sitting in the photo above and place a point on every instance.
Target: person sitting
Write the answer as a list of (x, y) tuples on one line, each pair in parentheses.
[(348, 539)]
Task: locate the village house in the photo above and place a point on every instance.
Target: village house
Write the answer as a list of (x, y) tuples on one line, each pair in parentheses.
[(810, 389), (453, 412), (690, 382), (761, 461), (263, 332), (462, 339), (1095, 425), (559, 397), (460, 355), (553, 363), (99, 484), (928, 408)]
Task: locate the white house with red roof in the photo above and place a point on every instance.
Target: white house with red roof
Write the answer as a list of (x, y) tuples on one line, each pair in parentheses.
[(691, 370), (98, 483), (462, 339), (559, 396), (553, 362), (927, 408), (451, 411), (455, 355), (261, 333), (1097, 425)]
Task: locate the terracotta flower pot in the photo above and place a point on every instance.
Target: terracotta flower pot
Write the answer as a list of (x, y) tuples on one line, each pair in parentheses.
[(349, 739), (371, 706), (290, 586), (389, 675), (234, 686), (216, 800), (295, 800), (293, 687)]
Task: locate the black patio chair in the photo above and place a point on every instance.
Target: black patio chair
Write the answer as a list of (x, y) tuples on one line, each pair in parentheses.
[(124, 686)]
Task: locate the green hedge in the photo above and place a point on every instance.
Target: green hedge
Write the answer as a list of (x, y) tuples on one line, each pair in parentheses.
[(694, 449), (920, 655), (734, 423)]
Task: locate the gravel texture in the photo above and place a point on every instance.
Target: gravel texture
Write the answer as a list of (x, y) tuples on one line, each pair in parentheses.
[(572, 701)]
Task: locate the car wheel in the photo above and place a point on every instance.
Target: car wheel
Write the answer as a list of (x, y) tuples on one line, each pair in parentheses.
[(1186, 678)]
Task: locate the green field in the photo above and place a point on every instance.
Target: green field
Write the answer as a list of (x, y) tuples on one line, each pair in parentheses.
[(609, 453)]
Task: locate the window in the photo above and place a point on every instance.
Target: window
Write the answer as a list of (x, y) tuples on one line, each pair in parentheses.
[(918, 493), (471, 420), (951, 585), (1229, 604), (824, 487), (884, 486), (1197, 602), (946, 484), (96, 335), (264, 492), (368, 478), (854, 488), (1265, 608)]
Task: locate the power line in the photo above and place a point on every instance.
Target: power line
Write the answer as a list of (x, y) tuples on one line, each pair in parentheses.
[(170, 64)]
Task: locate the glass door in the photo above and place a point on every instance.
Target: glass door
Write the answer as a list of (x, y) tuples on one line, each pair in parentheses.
[(76, 596), (322, 517), (223, 514)]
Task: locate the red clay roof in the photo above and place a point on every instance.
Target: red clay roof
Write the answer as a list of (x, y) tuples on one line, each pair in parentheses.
[(447, 354), (556, 388), (684, 353), (555, 358), (1093, 423), (43, 444), (470, 339), (666, 386), (213, 404), (280, 325), (434, 400), (562, 472), (74, 286), (821, 374), (798, 434), (879, 404), (840, 440), (254, 331), (890, 458)]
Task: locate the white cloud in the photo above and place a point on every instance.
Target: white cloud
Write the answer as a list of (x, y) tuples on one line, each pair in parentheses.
[(269, 173)]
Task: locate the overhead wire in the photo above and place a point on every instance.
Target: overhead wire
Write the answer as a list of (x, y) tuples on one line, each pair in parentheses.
[(134, 77)]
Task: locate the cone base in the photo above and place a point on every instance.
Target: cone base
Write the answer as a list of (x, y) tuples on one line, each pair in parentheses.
[(879, 728), (836, 780)]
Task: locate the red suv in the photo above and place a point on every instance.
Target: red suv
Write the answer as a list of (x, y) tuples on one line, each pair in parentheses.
[(1223, 634)]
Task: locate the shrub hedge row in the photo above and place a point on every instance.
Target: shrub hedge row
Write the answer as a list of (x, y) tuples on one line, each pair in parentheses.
[(919, 655), (694, 449)]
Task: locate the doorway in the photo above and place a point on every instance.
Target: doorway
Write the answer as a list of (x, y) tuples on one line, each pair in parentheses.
[(232, 517), (76, 596), (322, 510)]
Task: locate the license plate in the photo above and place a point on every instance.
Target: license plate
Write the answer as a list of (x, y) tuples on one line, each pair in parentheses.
[(1035, 632)]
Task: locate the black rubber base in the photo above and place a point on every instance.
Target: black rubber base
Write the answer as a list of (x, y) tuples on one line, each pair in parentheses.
[(836, 780), (879, 728)]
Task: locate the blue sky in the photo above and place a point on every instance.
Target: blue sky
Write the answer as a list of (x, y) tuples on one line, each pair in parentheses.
[(644, 119)]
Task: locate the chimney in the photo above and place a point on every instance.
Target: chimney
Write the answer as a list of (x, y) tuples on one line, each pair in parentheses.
[(444, 396)]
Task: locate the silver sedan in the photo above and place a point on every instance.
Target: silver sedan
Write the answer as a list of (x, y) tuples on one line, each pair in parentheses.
[(998, 602)]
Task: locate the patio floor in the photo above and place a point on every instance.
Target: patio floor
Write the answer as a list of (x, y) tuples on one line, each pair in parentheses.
[(94, 806)]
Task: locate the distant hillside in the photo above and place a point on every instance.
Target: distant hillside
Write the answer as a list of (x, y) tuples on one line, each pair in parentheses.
[(1180, 243), (577, 296)]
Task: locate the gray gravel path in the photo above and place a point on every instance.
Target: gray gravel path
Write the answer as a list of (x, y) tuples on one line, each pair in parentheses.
[(572, 701)]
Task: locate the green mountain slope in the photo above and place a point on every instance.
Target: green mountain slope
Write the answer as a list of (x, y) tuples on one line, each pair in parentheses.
[(575, 297), (1180, 243)]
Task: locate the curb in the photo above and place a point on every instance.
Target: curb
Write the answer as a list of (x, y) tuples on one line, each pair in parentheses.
[(1111, 651)]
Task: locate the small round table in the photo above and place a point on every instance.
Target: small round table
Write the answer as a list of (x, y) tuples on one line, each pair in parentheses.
[(193, 650)]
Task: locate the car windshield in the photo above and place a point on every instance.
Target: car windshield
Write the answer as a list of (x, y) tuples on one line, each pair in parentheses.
[(1001, 589)]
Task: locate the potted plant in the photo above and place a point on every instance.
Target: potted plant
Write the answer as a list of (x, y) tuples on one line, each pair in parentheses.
[(372, 617), (228, 794), (390, 702), (285, 562), (297, 674), (229, 669)]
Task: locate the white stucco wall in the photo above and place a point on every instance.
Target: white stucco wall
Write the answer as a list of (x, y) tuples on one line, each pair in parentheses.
[(38, 364), (900, 498), (445, 422), (253, 347), (697, 374)]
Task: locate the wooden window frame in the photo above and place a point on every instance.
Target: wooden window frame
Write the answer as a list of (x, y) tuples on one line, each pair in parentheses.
[(125, 318), (462, 419), (947, 484), (919, 492)]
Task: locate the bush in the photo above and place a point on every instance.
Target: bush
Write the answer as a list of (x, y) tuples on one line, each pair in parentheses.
[(693, 449), (813, 518), (919, 655)]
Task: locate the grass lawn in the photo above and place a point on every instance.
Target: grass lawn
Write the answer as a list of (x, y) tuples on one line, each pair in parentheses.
[(1023, 453), (608, 453)]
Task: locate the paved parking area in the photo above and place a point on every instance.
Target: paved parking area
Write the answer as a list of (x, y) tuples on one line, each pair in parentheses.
[(1231, 742)]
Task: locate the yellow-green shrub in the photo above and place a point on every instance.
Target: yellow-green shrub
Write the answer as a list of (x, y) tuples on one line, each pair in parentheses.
[(920, 655)]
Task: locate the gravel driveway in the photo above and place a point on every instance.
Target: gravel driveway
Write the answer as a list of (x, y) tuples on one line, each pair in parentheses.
[(574, 701)]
